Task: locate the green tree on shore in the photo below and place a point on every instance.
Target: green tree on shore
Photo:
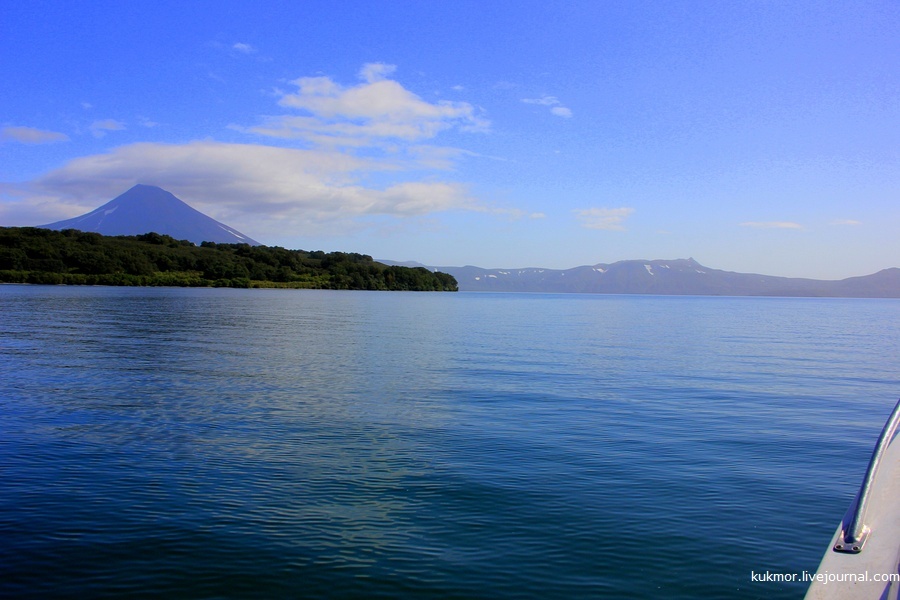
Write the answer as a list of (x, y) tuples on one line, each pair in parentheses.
[(44, 256)]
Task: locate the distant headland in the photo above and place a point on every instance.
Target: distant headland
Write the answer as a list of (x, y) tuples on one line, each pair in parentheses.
[(73, 257), (147, 236), (681, 277)]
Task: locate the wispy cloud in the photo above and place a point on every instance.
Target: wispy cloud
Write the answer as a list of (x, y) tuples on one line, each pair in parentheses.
[(543, 100), (367, 150), (772, 225), (372, 72), (31, 136), (102, 127), (850, 222), (377, 110), (243, 48), (514, 214), (270, 189), (552, 101), (610, 219)]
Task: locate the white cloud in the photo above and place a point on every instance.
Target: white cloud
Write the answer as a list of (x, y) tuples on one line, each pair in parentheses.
[(102, 127), (367, 153), (418, 198), (439, 158), (24, 206), (372, 72), (772, 225), (543, 100), (243, 48), (254, 187), (31, 136), (846, 222), (610, 219), (345, 133), (513, 214), (552, 101), (367, 114)]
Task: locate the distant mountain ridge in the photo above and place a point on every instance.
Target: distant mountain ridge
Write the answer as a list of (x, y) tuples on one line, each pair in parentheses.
[(668, 278), (147, 208)]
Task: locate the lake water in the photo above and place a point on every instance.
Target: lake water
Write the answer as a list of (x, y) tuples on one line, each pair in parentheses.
[(207, 443)]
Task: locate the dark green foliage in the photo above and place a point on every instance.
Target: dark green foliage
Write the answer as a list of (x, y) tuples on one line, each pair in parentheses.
[(33, 255)]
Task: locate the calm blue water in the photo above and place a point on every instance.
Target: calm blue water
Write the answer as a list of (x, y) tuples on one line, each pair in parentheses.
[(288, 444)]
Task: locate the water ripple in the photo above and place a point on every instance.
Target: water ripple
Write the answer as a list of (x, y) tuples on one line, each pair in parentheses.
[(260, 443)]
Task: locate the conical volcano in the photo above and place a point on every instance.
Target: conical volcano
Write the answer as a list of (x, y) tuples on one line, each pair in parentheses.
[(146, 208)]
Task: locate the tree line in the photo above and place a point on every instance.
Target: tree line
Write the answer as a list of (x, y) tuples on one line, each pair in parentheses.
[(45, 256)]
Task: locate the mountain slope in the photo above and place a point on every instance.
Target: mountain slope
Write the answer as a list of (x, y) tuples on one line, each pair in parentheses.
[(667, 277), (146, 208)]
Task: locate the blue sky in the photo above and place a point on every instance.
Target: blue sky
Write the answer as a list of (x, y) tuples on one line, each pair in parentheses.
[(752, 136)]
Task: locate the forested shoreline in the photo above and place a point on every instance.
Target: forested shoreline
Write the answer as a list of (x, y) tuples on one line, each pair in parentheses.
[(43, 256)]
